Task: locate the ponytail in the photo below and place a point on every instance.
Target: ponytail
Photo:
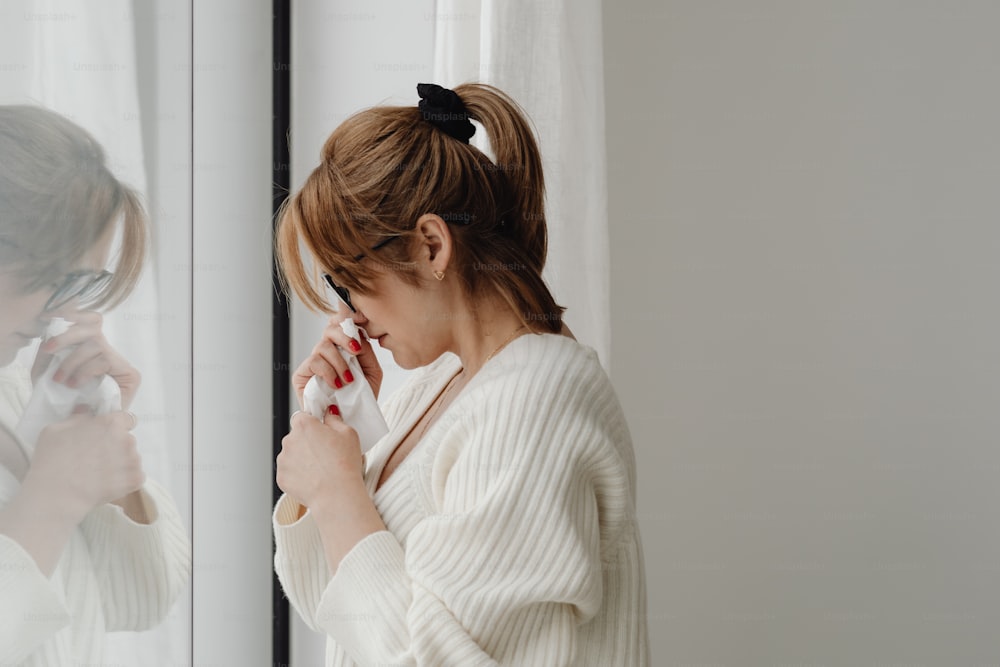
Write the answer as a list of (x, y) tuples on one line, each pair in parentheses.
[(517, 161)]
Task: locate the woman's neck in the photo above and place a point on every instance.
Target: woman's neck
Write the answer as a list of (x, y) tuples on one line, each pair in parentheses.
[(478, 339)]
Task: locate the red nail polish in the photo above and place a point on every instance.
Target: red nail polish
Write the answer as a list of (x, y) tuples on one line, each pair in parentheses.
[(337, 383), (334, 410), (348, 376), (355, 345)]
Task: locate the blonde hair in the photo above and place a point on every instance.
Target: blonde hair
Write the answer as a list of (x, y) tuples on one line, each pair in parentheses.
[(385, 167), (57, 198)]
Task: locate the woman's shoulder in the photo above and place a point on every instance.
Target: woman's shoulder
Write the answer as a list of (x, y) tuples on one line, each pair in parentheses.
[(544, 361), (532, 374), (559, 356), (544, 398), (545, 378)]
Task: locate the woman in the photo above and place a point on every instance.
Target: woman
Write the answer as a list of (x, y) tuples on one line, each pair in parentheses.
[(495, 523), (87, 545)]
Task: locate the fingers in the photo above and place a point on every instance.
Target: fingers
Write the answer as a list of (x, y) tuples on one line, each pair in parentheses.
[(91, 323), (87, 360), (361, 348), (41, 363), (313, 366), (120, 421), (370, 365), (335, 333), (299, 419), (86, 324), (90, 354), (314, 453), (111, 447), (327, 362), (89, 460), (332, 415), (304, 423), (331, 370), (132, 476), (334, 337), (339, 316)]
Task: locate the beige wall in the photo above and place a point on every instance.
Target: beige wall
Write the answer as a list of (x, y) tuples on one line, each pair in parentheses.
[(804, 255)]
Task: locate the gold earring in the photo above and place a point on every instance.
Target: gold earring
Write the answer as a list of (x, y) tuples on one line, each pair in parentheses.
[(439, 275)]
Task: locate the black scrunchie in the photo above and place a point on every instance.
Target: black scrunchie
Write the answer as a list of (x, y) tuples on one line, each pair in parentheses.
[(444, 109)]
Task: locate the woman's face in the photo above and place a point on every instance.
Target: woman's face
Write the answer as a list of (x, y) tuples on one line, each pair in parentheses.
[(411, 323), (22, 315)]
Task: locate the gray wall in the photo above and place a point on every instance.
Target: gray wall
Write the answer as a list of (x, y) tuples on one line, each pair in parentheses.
[(804, 253)]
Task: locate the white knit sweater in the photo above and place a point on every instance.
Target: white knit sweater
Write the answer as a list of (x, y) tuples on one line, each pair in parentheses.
[(114, 574), (512, 535)]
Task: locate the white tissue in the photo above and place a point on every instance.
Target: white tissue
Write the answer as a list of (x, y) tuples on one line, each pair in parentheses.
[(356, 400), (52, 401)]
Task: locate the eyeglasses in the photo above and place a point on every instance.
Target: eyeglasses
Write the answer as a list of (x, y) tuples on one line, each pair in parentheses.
[(341, 291), (78, 285)]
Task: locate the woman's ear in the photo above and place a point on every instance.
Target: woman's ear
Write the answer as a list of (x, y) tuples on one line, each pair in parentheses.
[(437, 241)]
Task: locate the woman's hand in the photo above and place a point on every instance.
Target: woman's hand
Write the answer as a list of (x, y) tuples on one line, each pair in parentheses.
[(318, 458), (79, 463), (93, 356), (326, 362), (321, 467), (85, 461)]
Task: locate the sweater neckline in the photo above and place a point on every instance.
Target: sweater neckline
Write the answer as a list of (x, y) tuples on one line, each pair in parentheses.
[(435, 382)]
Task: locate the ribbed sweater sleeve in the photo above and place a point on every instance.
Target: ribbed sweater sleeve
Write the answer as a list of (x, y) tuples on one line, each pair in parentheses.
[(140, 568), (299, 560), (529, 492), (31, 610)]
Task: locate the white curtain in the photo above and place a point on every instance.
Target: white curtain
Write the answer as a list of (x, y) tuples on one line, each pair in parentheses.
[(547, 54), (80, 61)]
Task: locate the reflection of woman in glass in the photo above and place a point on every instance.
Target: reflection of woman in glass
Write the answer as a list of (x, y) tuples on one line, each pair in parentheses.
[(87, 545), (495, 523)]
